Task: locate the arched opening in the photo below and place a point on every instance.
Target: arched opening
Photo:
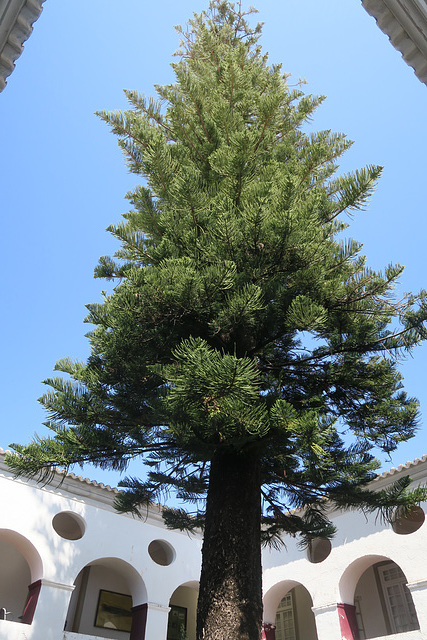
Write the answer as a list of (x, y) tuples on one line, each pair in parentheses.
[(21, 570), (183, 612), (383, 604), (14, 581), (109, 601), (287, 606)]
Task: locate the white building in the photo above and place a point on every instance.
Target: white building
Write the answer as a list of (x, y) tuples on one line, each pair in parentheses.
[(371, 584), (71, 568), (74, 569)]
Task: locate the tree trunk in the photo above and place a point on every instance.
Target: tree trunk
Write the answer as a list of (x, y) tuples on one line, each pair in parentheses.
[(230, 595)]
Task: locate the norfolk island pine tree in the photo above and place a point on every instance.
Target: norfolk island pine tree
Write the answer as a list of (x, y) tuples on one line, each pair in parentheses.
[(246, 354)]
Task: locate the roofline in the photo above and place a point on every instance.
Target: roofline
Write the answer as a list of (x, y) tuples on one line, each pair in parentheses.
[(405, 24), (16, 25), (85, 488), (417, 469), (78, 488)]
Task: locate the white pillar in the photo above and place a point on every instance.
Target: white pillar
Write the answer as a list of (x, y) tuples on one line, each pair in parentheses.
[(419, 596), (157, 621), (51, 611), (327, 622)]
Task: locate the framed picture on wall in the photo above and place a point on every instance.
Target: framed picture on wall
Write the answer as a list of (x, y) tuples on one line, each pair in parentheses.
[(177, 622), (114, 611)]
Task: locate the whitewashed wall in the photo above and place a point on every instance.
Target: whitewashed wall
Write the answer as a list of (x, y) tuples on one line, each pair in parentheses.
[(115, 547)]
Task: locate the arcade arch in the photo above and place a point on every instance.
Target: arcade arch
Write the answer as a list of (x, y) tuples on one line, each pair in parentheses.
[(20, 576), (288, 606), (183, 611), (108, 598), (383, 604)]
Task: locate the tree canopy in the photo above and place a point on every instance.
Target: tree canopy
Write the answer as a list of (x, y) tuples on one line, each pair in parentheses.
[(245, 332)]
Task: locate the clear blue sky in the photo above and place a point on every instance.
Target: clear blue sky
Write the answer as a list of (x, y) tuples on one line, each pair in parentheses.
[(63, 178)]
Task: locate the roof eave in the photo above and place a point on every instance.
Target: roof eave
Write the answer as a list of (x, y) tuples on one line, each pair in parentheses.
[(405, 24), (16, 24)]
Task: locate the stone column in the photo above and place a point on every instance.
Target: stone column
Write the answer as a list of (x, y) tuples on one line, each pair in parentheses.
[(327, 622), (419, 596), (157, 621)]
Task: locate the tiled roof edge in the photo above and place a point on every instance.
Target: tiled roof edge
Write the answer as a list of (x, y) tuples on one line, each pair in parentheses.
[(73, 476), (16, 24), (405, 24), (85, 488), (410, 464)]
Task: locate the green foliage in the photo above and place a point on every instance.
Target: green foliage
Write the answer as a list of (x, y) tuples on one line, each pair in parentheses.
[(182, 633), (242, 319)]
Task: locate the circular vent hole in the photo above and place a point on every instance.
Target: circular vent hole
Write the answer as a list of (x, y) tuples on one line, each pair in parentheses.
[(69, 525), (407, 520), (318, 550), (161, 552)]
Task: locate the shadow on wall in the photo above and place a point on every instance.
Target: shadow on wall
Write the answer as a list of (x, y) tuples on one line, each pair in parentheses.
[(20, 577), (288, 605), (383, 605), (59, 526), (383, 602), (183, 612), (103, 603), (356, 526)]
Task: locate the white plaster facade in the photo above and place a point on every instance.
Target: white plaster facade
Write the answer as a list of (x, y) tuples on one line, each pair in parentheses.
[(362, 549), (113, 549), (50, 584)]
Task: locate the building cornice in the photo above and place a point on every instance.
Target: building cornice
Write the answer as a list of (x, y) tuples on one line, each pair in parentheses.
[(417, 469), (82, 489), (79, 488), (16, 24), (405, 23)]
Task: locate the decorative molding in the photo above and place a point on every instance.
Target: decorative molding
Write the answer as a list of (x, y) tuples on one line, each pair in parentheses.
[(155, 606), (405, 24), (325, 608), (16, 24), (57, 585), (420, 585), (84, 490)]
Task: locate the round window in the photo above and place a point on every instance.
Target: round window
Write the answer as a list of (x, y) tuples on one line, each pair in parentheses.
[(161, 552), (407, 520), (69, 525), (318, 550)]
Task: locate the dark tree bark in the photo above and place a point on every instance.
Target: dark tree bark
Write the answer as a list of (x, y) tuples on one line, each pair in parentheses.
[(230, 596)]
